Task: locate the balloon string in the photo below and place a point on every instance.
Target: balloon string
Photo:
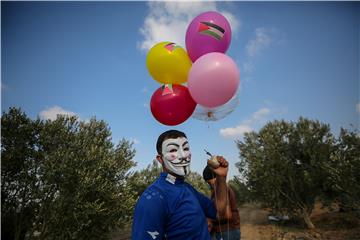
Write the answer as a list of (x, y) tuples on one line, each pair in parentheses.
[(207, 122), (228, 220)]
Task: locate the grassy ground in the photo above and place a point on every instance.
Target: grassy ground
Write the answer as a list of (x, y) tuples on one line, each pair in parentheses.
[(255, 226)]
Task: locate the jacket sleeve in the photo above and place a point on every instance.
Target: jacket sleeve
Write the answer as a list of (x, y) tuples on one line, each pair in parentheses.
[(149, 216)]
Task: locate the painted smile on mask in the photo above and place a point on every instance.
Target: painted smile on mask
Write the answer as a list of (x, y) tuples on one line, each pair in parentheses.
[(176, 155)]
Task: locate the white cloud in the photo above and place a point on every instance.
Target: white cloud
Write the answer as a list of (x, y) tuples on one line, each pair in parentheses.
[(262, 40), (51, 113), (260, 114), (234, 22), (168, 21), (135, 141), (358, 107), (144, 90), (248, 67), (87, 120), (3, 86), (235, 131), (246, 125)]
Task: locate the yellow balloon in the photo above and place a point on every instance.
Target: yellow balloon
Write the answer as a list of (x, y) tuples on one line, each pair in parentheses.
[(168, 63)]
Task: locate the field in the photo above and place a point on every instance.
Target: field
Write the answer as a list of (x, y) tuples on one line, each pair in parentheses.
[(329, 226), (256, 226)]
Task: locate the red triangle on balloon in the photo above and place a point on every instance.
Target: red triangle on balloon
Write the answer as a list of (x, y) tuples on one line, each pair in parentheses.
[(170, 46), (203, 27), (167, 89)]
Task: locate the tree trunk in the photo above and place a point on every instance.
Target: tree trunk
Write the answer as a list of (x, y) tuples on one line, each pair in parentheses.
[(18, 226), (306, 217)]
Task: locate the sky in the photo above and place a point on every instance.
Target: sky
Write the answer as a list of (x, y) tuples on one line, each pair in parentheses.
[(89, 59)]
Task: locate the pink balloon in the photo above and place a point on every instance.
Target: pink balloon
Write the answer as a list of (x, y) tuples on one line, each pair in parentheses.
[(208, 32), (213, 79)]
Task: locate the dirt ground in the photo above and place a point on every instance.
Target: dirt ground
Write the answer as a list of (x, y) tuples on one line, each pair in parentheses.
[(256, 226), (329, 226)]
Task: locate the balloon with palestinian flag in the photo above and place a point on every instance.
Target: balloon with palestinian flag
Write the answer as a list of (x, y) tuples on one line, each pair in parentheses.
[(207, 32), (211, 76), (168, 63)]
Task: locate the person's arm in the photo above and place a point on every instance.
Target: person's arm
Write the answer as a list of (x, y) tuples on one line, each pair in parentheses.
[(220, 190), (149, 217), (232, 199), (228, 211), (235, 216)]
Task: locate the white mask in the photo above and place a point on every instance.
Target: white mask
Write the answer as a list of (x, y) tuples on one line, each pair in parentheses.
[(176, 155)]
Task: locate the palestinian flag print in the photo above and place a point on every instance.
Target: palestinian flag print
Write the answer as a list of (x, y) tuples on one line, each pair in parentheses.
[(167, 89), (171, 47), (212, 30)]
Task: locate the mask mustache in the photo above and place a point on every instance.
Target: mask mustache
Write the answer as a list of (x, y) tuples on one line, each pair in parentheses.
[(182, 161)]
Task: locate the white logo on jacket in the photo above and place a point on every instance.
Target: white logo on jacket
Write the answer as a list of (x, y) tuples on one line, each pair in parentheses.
[(153, 234)]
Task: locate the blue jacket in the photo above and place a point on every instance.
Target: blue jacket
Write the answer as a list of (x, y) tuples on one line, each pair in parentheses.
[(172, 209)]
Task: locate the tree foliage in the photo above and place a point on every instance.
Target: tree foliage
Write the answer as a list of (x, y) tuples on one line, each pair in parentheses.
[(63, 179), (19, 173), (241, 190), (283, 164), (141, 179), (344, 170), (197, 181)]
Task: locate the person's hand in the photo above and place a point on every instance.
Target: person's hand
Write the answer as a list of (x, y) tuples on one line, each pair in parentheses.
[(223, 167), (210, 224)]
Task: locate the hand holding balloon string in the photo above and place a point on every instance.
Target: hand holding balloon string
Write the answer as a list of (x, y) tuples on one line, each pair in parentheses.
[(218, 164)]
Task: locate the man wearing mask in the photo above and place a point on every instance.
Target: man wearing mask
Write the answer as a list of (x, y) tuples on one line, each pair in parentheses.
[(172, 209)]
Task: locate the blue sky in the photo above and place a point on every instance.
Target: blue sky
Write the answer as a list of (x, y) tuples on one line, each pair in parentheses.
[(88, 59)]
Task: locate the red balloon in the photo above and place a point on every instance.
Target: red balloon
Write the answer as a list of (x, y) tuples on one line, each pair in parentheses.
[(172, 105)]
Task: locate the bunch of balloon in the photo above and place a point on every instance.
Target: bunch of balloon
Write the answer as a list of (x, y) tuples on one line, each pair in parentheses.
[(169, 64), (214, 77)]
